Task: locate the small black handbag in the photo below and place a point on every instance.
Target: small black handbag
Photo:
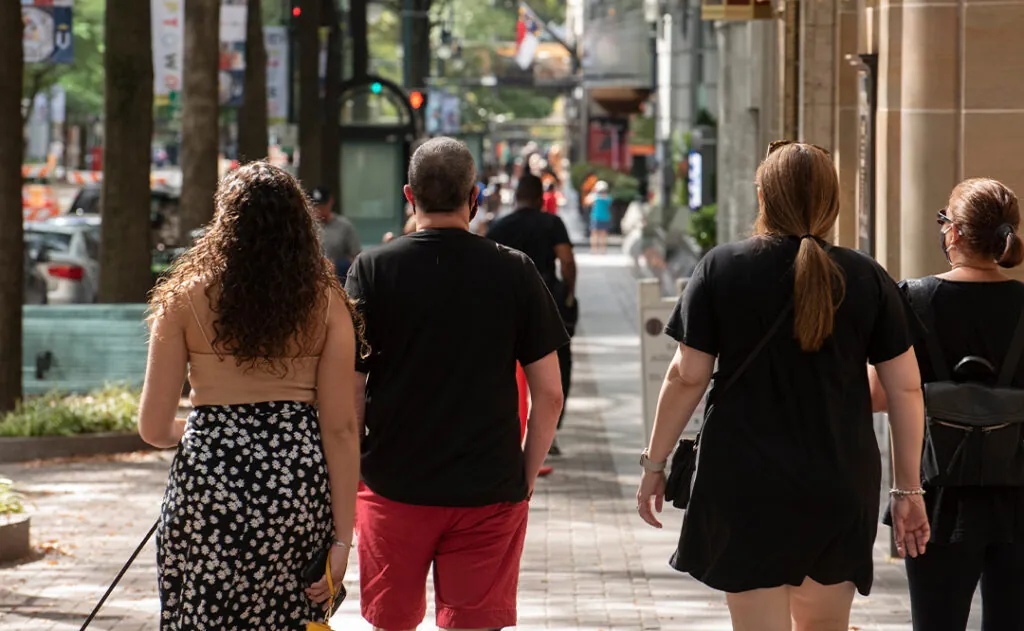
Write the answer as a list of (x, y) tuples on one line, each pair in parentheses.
[(684, 459), (974, 431)]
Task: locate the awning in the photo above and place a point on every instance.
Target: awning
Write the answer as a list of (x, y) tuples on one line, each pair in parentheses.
[(619, 100)]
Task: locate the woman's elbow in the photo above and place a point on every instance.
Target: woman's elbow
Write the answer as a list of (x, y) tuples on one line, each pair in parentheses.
[(152, 435)]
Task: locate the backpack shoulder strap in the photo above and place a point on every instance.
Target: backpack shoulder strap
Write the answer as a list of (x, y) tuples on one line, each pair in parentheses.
[(1013, 353), (921, 291)]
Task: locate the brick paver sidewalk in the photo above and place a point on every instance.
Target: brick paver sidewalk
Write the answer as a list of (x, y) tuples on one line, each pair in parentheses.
[(590, 564)]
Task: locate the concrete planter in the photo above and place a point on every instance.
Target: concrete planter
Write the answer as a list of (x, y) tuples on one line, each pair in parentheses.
[(41, 447), (14, 537)]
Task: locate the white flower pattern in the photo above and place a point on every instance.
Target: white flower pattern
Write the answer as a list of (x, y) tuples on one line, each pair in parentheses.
[(235, 534)]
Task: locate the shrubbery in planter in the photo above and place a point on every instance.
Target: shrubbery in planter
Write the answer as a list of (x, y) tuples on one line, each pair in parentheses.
[(10, 500), (110, 409)]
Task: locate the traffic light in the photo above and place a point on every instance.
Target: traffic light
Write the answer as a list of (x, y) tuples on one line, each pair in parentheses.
[(376, 87), (416, 99), (296, 12)]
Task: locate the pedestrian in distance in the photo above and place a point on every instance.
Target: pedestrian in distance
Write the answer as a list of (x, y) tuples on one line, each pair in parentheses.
[(446, 474), (265, 477), (783, 507), (544, 238), (600, 203), (337, 234), (968, 338)]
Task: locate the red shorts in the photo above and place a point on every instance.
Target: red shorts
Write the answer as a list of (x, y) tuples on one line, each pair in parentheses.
[(475, 552)]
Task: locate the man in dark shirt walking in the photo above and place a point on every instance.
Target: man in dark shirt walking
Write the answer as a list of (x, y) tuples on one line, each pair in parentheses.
[(447, 477), (542, 236)]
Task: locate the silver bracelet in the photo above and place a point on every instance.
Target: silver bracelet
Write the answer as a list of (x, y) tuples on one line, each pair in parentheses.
[(342, 544), (905, 492)]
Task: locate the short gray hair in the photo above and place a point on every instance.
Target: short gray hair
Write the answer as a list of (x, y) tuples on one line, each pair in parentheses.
[(442, 174)]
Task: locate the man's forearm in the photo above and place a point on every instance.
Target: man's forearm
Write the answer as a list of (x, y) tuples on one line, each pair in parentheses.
[(540, 431), (569, 277)]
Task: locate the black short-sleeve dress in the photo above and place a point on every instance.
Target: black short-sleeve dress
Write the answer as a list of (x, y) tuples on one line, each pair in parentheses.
[(789, 472)]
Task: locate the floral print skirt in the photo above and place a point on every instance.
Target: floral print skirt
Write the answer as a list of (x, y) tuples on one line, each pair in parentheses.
[(246, 509)]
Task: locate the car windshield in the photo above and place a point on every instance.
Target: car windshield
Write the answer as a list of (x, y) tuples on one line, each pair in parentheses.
[(37, 241)]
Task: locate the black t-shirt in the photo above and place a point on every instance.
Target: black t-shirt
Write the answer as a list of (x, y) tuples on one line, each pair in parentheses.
[(534, 233), (973, 319), (448, 315), (789, 471)]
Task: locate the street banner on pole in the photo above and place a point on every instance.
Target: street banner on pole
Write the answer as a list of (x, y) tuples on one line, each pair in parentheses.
[(528, 32), (47, 36), (276, 38), (168, 18)]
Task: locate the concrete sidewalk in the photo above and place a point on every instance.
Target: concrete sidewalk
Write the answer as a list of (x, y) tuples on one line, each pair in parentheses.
[(590, 563)]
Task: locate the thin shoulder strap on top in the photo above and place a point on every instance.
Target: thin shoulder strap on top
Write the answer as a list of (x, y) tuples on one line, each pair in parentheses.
[(327, 315), (922, 290), (760, 345), (200, 325), (1013, 353)]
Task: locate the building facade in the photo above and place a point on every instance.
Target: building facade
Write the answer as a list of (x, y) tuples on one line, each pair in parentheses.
[(910, 96)]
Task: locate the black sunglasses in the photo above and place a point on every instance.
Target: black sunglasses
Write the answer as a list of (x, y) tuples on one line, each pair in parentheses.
[(942, 218), (775, 145)]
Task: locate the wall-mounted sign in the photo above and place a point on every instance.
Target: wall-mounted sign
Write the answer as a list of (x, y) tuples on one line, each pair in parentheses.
[(736, 10)]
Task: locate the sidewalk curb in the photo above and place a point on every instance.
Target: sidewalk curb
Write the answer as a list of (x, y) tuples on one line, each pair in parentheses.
[(44, 447)]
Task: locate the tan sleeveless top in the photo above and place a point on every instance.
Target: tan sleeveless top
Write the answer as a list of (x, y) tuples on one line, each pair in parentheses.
[(217, 379)]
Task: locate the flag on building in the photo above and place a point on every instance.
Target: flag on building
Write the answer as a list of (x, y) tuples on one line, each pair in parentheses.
[(528, 31)]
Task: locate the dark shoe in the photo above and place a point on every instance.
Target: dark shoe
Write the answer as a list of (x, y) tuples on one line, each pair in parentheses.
[(554, 450)]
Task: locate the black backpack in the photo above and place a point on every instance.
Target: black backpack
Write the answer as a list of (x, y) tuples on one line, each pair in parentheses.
[(974, 432)]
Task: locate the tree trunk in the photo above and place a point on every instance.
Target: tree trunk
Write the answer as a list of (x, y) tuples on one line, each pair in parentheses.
[(252, 120), (199, 118), (360, 58), (309, 94), (126, 255), (331, 150), (12, 240)]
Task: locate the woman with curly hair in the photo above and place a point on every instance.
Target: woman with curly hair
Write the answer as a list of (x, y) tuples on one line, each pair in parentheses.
[(267, 465)]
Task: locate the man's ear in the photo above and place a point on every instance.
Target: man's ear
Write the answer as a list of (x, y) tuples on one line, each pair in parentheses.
[(407, 190)]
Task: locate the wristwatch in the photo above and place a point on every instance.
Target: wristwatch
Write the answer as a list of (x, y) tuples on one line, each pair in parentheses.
[(650, 465)]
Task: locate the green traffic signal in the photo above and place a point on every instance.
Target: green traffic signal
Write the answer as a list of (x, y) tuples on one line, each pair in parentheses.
[(376, 87)]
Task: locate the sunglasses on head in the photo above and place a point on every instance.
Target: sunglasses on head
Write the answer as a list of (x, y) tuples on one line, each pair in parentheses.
[(775, 145)]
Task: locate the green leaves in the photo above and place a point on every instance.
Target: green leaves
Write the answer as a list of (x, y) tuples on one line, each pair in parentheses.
[(10, 500), (111, 409)]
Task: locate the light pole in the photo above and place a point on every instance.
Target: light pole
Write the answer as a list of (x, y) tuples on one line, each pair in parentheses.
[(652, 14)]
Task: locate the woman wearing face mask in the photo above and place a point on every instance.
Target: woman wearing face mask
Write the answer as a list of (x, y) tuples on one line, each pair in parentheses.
[(977, 531)]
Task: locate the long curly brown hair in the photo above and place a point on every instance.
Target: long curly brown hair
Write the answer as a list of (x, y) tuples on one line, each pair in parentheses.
[(265, 275)]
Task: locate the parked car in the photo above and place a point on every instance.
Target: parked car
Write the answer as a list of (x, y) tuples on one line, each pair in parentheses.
[(164, 203), (66, 251), (35, 282)]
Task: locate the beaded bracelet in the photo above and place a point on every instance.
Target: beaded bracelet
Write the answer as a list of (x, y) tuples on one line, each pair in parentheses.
[(905, 492)]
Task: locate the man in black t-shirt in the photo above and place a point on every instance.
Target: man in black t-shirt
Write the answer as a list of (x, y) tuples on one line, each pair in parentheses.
[(543, 237), (446, 475)]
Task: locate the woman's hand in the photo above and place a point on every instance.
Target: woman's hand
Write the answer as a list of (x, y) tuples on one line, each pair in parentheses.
[(910, 527), (318, 591), (652, 490)]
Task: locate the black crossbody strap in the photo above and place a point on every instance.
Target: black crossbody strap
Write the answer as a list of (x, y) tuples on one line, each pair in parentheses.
[(1013, 353), (922, 290), (117, 579), (757, 349)]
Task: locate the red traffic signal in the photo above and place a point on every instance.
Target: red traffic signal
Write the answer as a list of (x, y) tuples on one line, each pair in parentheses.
[(296, 12), (416, 99)]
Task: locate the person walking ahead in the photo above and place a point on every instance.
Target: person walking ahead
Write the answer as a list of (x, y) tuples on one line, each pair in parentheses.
[(267, 466), (543, 238), (783, 508), (970, 314), (446, 477)]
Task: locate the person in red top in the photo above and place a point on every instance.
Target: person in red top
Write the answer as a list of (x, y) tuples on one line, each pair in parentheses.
[(550, 204)]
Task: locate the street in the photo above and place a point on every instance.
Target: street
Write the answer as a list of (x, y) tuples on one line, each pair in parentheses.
[(590, 563)]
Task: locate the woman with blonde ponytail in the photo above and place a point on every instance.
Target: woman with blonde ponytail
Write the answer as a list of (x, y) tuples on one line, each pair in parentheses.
[(783, 507)]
